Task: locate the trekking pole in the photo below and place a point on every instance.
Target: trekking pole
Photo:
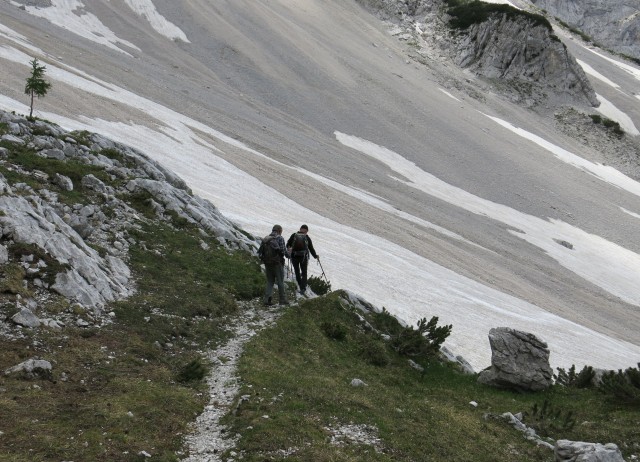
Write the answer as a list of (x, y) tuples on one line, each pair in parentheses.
[(322, 269)]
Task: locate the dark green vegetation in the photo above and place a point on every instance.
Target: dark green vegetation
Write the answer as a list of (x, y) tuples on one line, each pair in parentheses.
[(298, 377), (465, 13), (607, 123), (319, 285), (36, 85)]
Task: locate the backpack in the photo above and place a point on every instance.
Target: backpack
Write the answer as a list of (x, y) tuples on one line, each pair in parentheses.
[(269, 251), (299, 246)]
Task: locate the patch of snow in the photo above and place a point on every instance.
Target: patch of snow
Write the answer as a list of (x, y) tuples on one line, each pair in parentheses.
[(636, 215), (605, 264), (160, 24), (607, 109), (449, 94), (71, 15), (592, 72)]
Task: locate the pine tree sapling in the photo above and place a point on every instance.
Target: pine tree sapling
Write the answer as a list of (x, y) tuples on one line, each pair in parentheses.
[(36, 85)]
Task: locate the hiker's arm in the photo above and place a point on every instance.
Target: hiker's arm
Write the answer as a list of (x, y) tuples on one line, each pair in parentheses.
[(311, 249)]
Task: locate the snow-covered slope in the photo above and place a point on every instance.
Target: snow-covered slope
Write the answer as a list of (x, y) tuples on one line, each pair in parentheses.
[(418, 196)]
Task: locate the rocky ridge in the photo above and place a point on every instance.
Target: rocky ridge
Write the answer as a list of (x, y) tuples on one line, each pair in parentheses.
[(516, 54), (66, 232), (612, 24)]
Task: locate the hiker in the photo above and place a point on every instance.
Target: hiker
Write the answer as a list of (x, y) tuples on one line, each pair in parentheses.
[(272, 253), (299, 246)]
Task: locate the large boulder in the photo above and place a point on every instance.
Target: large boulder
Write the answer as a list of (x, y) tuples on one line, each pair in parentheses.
[(519, 361), (578, 451)]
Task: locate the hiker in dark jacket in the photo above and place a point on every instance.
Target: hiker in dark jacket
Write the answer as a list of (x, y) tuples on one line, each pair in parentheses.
[(274, 267), (299, 246)]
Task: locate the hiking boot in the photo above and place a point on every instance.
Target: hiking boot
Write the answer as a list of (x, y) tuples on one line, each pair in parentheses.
[(283, 303), (268, 304)]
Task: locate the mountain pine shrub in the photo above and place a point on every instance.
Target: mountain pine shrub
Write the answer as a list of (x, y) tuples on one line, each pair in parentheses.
[(319, 285), (571, 379), (550, 420), (623, 386), (194, 371), (424, 341)]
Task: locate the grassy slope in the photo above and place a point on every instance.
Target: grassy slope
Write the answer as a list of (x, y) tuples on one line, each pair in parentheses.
[(121, 394)]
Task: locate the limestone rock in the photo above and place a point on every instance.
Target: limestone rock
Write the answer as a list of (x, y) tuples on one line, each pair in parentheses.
[(4, 255), (614, 24), (26, 318), (578, 451), (63, 181), (524, 53), (32, 369), (519, 360)]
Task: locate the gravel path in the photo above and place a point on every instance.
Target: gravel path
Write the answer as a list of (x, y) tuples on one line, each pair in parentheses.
[(209, 439)]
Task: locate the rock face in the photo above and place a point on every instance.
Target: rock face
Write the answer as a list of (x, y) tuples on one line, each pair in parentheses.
[(614, 24), (577, 451), (519, 56), (525, 54), (519, 360)]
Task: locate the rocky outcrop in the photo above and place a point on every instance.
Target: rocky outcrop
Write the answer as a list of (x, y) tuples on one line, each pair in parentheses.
[(519, 361), (69, 231), (613, 24), (527, 56), (577, 451), (519, 55)]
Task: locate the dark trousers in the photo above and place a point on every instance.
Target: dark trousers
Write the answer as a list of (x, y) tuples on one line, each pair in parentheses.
[(275, 275), (300, 268)]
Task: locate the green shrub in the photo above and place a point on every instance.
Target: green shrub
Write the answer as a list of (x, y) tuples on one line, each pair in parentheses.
[(424, 341), (334, 330), (373, 352), (622, 386), (597, 119), (319, 286), (571, 379), (549, 420), (194, 371)]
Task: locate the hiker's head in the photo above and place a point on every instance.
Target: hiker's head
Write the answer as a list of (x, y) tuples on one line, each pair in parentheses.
[(277, 229), (304, 229)]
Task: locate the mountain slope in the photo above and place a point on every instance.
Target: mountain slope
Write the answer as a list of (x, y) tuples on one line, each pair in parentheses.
[(420, 192)]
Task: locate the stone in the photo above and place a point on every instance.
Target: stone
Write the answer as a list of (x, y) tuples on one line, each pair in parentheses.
[(32, 369), (358, 383), (13, 139), (63, 182), (57, 154), (519, 361), (26, 318), (93, 183), (578, 451), (4, 255), (4, 153)]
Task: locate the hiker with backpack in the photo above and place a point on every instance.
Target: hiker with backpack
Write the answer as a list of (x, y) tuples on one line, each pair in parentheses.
[(272, 252), (300, 245)]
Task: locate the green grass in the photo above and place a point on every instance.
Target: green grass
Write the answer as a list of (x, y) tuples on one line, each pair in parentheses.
[(299, 375), (27, 159), (185, 298)]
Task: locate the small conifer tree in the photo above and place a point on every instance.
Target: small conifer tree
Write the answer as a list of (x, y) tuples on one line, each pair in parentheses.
[(36, 85)]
